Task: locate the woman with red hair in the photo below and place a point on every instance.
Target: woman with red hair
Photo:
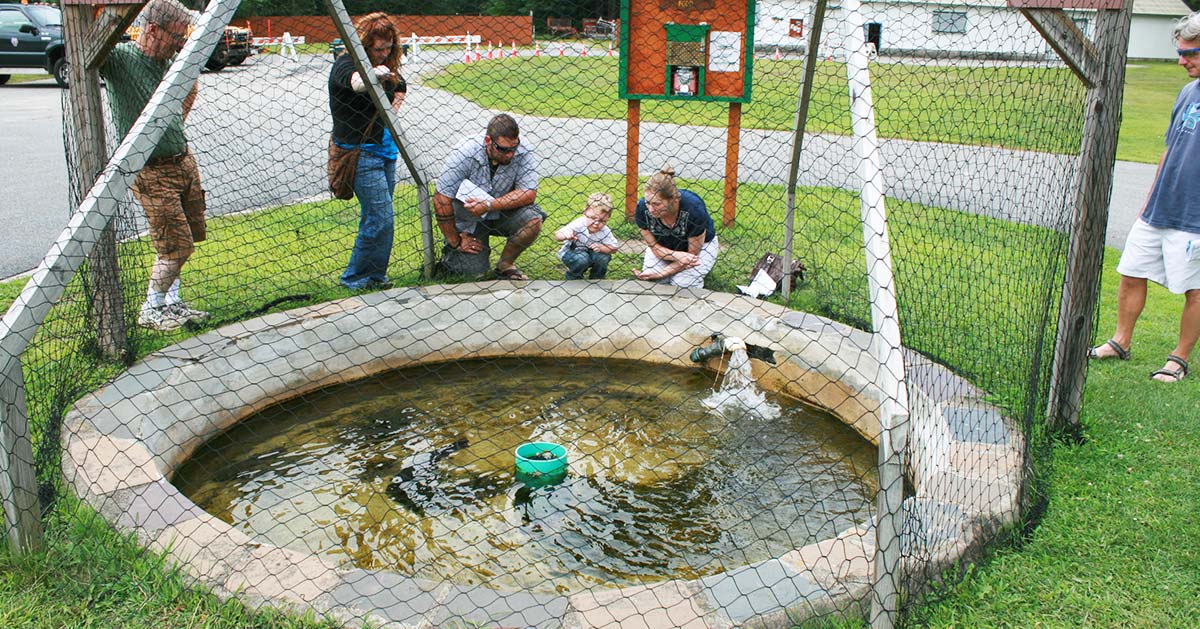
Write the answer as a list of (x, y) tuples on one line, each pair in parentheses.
[(357, 124)]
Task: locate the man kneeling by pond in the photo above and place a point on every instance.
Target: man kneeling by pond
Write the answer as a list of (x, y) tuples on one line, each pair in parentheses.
[(487, 188)]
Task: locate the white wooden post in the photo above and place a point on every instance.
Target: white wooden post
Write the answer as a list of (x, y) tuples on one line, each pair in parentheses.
[(885, 319)]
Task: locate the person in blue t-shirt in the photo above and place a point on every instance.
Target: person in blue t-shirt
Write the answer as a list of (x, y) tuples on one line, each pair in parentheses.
[(356, 123), (681, 240), (1164, 244)]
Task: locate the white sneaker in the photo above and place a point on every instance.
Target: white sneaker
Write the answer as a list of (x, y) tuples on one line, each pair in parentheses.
[(160, 319), (189, 315)]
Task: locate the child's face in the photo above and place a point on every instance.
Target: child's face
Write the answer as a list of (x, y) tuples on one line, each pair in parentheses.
[(596, 220)]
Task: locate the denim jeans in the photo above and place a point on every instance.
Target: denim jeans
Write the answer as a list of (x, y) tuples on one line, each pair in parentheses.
[(580, 259), (374, 182)]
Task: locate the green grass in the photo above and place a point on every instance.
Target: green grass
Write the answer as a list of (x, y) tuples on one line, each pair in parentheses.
[(1027, 108), (1107, 554), (88, 576), (1116, 547), (25, 78), (1150, 91), (1035, 109)]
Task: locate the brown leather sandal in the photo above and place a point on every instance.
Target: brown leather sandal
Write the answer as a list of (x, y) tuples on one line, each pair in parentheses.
[(1177, 374), (1120, 353)]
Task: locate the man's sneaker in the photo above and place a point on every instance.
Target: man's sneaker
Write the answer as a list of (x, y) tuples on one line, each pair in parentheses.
[(184, 313), (160, 319)]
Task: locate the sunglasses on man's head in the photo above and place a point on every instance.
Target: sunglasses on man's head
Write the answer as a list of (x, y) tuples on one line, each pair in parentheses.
[(1187, 53), (505, 149)]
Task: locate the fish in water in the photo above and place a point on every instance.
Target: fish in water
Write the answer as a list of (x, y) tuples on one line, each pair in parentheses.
[(422, 486)]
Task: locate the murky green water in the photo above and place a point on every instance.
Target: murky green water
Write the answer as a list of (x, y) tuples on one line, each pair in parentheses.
[(412, 471)]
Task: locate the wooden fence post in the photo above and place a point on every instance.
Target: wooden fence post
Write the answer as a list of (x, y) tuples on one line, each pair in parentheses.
[(18, 481), (1102, 69)]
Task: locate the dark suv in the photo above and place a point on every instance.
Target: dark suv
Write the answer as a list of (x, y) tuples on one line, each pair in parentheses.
[(31, 36)]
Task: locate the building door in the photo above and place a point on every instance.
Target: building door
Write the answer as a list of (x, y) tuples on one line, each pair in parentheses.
[(875, 35)]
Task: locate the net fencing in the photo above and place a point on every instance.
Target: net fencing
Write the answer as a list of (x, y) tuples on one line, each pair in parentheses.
[(350, 450)]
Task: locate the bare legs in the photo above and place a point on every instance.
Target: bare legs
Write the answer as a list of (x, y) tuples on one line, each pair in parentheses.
[(519, 242), (1131, 300), (164, 273)]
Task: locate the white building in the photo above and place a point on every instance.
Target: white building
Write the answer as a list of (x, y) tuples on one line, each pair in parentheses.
[(983, 27)]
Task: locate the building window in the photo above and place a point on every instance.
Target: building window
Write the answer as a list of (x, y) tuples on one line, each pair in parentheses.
[(950, 22)]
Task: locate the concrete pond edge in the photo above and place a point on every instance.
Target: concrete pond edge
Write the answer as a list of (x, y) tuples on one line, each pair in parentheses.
[(123, 442)]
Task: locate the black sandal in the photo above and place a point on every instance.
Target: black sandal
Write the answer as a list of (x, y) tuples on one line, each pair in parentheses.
[(1177, 374), (1121, 352)]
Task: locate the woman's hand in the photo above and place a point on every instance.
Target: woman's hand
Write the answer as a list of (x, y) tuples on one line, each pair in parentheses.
[(688, 260), (644, 275), (397, 100)]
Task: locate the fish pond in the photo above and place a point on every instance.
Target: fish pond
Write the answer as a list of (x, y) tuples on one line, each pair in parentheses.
[(413, 471)]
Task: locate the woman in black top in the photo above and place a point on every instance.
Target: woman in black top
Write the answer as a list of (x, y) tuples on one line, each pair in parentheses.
[(681, 239), (356, 123)]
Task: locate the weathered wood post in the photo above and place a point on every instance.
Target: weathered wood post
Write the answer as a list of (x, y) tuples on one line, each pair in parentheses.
[(1101, 67), (18, 481), (805, 99), (89, 37)]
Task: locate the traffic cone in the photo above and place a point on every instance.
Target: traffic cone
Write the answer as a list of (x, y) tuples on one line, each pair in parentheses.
[(489, 55), (610, 50), (777, 55), (513, 53), (562, 51), (537, 50), (467, 54), (583, 53)]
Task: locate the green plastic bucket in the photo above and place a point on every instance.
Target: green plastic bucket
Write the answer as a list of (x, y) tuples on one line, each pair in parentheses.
[(541, 460)]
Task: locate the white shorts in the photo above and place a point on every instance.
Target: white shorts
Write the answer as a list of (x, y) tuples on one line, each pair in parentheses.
[(688, 278), (1164, 256)]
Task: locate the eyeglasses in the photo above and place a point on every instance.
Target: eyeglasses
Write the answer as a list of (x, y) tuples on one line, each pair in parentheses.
[(596, 219), (1187, 53), (505, 149), (178, 38)]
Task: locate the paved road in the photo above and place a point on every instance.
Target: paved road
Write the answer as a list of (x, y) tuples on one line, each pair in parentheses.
[(254, 131), (33, 173)]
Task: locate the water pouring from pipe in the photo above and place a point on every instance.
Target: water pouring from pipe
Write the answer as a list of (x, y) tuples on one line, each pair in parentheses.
[(738, 393)]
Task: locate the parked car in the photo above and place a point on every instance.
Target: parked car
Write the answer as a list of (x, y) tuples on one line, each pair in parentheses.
[(234, 47), (31, 36)]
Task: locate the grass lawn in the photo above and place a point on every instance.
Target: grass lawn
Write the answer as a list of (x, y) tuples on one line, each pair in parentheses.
[(1027, 108), (1150, 91), (25, 78), (1116, 547), (1107, 554)]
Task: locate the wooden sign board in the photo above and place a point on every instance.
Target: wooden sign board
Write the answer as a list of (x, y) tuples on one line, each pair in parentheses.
[(687, 50)]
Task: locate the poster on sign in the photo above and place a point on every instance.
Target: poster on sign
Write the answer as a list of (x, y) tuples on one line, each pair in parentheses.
[(796, 28)]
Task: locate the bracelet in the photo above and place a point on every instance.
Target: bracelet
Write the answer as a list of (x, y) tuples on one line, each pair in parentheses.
[(445, 219), (489, 205)]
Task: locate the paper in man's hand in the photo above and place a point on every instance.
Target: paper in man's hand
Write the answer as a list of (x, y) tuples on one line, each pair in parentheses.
[(468, 190)]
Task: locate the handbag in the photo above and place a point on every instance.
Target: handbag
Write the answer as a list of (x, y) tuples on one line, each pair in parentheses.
[(773, 264), (343, 165)]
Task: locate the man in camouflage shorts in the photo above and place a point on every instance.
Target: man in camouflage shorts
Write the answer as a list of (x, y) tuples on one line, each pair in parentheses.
[(168, 187)]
